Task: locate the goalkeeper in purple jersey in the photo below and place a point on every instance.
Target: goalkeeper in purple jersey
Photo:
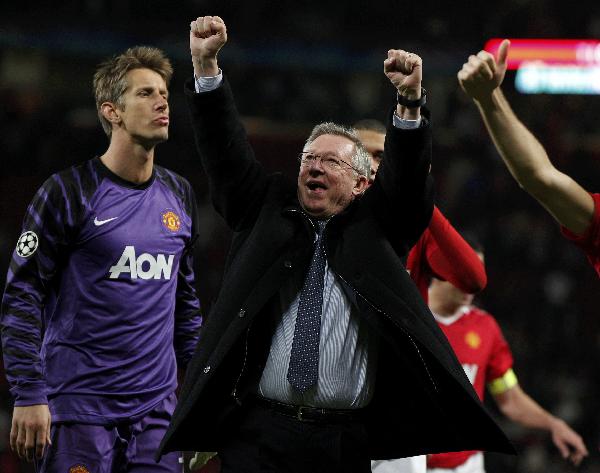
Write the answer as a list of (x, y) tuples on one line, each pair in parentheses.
[(99, 309)]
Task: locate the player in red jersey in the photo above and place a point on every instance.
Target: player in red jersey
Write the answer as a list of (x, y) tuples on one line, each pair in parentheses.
[(577, 211), (487, 360), (441, 253)]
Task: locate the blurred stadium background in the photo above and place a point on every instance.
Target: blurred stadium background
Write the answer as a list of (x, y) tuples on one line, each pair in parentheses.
[(292, 65)]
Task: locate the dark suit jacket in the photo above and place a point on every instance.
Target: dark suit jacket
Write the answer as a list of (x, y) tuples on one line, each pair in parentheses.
[(422, 400)]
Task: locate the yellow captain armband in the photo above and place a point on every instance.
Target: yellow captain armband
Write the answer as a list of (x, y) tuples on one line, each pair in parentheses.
[(500, 385), (200, 459)]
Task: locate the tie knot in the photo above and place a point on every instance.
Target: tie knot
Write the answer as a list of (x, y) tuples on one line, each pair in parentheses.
[(320, 226)]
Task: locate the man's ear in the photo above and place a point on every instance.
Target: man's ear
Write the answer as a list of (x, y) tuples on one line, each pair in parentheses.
[(111, 113), (360, 185)]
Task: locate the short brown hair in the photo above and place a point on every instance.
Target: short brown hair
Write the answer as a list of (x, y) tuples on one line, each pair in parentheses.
[(370, 124), (109, 80)]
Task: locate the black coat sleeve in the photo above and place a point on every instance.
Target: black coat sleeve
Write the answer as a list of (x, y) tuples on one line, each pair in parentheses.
[(402, 194), (237, 181)]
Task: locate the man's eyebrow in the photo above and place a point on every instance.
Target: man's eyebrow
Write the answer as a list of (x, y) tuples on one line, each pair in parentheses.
[(151, 88), (330, 154)]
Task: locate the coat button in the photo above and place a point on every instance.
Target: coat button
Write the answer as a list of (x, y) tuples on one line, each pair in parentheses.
[(242, 313), (287, 263), (206, 369)]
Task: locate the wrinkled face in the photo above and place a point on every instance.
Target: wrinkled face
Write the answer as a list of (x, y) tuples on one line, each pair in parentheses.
[(373, 142), (144, 115), (322, 191)]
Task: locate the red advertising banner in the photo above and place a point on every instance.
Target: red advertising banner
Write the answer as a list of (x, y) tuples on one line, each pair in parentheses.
[(556, 52)]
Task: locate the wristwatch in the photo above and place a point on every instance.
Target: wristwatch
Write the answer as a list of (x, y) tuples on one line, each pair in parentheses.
[(412, 103)]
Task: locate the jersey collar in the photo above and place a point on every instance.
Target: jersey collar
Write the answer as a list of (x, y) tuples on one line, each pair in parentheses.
[(453, 318)]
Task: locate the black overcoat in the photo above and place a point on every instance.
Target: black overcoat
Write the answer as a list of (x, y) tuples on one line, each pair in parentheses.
[(423, 402)]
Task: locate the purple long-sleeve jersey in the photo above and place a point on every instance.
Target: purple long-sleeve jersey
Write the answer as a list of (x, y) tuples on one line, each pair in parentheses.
[(99, 305)]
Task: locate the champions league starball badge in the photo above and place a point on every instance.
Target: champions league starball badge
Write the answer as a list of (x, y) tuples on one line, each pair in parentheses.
[(27, 244)]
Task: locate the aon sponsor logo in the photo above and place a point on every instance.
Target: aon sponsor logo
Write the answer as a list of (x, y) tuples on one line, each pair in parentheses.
[(144, 266)]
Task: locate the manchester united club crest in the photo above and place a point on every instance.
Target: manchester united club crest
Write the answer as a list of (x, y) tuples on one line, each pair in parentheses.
[(171, 221), (473, 339), (78, 469)]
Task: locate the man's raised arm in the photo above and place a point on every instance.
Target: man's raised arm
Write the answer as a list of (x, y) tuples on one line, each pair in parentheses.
[(208, 34), (403, 179), (236, 179), (570, 204)]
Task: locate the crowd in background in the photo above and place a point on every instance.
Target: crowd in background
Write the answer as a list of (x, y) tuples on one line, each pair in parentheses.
[(293, 66)]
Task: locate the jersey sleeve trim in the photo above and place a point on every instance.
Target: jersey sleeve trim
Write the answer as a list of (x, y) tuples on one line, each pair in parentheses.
[(588, 234)]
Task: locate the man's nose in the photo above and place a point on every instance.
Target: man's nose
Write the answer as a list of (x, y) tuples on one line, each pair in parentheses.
[(162, 105), (316, 165)]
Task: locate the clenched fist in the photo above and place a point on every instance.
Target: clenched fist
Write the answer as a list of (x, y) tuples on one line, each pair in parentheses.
[(405, 71), (208, 34)]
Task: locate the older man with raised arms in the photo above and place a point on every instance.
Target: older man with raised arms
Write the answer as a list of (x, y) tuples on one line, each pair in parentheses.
[(317, 320)]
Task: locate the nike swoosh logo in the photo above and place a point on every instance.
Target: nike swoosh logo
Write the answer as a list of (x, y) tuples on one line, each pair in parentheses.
[(102, 222)]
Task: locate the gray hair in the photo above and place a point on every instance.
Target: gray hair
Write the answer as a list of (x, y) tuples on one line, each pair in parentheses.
[(361, 160)]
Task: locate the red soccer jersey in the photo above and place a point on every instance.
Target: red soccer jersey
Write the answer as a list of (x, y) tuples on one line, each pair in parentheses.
[(486, 358), (443, 253), (590, 240)]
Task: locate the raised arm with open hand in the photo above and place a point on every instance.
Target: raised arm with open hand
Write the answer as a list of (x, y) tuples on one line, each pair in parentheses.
[(570, 204), (208, 34)]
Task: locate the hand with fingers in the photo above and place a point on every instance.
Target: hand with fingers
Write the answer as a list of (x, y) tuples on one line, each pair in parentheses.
[(482, 74), (568, 442), (405, 72), (30, 431), (208, 34)]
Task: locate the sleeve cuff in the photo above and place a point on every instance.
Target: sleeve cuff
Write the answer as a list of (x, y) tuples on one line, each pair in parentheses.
[(29, 395), (206, 84), (406, 124)]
